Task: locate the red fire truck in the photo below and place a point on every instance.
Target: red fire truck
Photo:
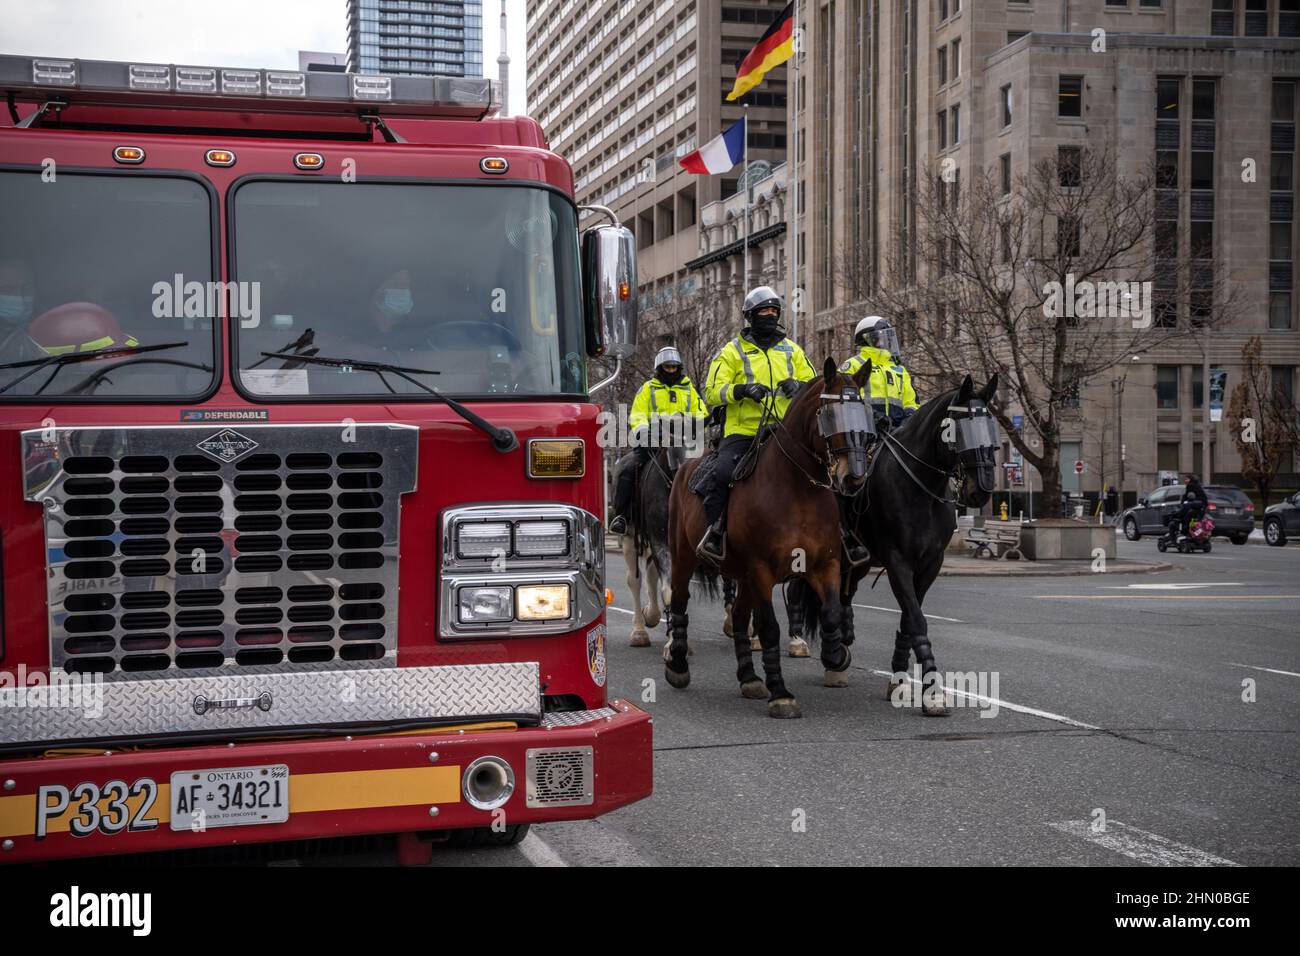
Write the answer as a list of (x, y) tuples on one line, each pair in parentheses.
[(299, 480)]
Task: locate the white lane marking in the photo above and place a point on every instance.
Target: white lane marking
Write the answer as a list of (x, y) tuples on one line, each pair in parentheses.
[(894, 610), (538, 852), (1141, 845), (621, 610), (1267, 670), (1018, 708), (1175, 586)]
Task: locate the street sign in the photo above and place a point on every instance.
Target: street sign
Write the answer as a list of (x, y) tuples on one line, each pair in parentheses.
[(1078, 467)]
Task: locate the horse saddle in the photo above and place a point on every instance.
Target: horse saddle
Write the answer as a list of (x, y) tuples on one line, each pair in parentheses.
[(702, 480)]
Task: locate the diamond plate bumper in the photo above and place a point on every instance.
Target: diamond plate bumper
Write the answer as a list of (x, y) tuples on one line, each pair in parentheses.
[(229, 706), (338, 786)]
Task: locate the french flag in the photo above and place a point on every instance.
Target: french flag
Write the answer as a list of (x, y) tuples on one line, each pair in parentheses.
[(717, 155)]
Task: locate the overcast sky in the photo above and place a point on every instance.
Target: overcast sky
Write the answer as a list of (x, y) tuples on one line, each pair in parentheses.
[(261, 33)]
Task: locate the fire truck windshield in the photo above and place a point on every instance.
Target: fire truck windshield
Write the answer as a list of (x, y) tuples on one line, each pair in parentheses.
[(477, 283), (101, 263)]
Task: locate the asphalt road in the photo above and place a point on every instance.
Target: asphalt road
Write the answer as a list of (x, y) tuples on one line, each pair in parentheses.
[(1116, 695)]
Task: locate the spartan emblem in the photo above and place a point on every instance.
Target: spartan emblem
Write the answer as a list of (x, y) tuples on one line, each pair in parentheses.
[(226, 446)]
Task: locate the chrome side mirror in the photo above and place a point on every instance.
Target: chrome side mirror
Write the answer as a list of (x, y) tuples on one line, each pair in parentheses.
[(609, 291)]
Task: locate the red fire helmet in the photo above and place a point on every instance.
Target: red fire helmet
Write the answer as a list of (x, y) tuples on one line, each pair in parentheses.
[(78, 327)]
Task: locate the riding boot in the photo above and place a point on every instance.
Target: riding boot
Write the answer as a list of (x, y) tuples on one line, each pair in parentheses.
[(855, 551), (713, 546), (623, 489)]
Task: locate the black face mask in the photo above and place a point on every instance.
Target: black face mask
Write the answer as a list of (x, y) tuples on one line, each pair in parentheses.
[(672, 379), (766, 326)]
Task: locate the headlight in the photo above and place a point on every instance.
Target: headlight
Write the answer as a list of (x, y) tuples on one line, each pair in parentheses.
[(481, 604), (542, 602), (485, 539), (537, 539)]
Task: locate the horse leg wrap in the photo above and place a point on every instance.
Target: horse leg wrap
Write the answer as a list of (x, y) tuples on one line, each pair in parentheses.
[(924, 655), (902, 653), (846, 622), (677, 632)]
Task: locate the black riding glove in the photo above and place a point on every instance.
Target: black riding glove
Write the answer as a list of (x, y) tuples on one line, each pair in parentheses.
[(790, 387), (757, 392)]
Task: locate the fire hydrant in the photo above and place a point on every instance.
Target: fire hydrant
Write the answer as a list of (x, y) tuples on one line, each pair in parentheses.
[(1004, 511)]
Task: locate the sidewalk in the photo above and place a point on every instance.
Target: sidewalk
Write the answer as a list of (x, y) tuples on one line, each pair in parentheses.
[(958, 565)]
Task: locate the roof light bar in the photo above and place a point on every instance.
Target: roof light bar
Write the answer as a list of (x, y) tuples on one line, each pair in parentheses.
[(149, 77), (196, 79), (371, 87), (54, 72), (167, 86)]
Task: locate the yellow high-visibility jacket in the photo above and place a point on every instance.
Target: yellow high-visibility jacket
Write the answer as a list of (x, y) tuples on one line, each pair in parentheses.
[(891, 384), (741, 362), (657, 399)]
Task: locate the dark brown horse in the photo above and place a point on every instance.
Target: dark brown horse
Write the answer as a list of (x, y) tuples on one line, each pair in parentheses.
[(782, 522)]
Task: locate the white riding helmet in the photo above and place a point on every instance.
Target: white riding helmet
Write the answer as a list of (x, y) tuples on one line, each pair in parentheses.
[(667, 356), (876, 331)]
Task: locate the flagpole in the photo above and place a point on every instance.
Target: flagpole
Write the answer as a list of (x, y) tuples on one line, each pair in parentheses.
[(794, 165), (744, 282)]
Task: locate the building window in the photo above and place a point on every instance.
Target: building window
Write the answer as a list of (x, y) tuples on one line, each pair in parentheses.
[(1167, 454), (1069, 97), (1281, 272), (1167, 388), (956, 59), (1279, 310), (1288, 18), (1223, 18), (1006, 105), (1069, 166), (1069, 236), (1256, 21), (954, 115), (1004, 162), (943, 129), (943, 65)]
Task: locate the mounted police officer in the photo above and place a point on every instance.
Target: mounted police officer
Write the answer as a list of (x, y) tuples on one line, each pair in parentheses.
[(753, 377), (892, 396), (667, 393)]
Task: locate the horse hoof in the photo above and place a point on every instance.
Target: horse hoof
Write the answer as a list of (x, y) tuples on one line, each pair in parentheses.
[(651, 618), (844, 664), (639, 639), (786, 708), (836, 679), (727, 629), (798, 647), (753, 690), (755, 644), (680, 681), (935, 710), (899, 691)]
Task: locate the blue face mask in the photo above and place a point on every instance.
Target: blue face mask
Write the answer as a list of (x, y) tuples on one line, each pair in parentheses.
[(397, 301), (15, 306)]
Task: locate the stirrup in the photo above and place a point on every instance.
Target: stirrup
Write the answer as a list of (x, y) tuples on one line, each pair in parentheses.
[(716, 555), (618, 525), (855, 551)]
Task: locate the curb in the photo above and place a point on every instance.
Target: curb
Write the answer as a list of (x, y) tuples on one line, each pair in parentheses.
[(1112, 567)]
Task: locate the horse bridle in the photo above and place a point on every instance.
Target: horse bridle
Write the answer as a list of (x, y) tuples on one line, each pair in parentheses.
[(838, 415), (962, 444)]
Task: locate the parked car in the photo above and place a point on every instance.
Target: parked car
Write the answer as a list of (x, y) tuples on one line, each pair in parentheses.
[(1230, 507), (1282, 520)]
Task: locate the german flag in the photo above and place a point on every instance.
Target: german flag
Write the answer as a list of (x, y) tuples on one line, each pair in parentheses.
[(773, 48)]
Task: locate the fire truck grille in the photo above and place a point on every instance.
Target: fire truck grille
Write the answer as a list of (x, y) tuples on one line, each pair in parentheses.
[(202, 549), (559, 777)]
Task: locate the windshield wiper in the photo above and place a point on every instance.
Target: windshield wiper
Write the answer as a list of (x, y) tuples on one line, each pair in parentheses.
[(71, 358), (503, 439)]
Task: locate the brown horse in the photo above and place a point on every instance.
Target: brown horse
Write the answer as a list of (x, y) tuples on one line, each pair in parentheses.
[(782, 521)]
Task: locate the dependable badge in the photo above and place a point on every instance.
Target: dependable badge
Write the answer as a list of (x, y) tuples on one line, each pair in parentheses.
[(596, 654)]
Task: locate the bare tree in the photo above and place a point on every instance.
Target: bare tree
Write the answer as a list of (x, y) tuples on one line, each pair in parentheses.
[(1047, 284), (1262, 420)]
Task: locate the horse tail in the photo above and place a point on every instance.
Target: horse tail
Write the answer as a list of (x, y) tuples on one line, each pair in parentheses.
[(801, 600), (707, 577)]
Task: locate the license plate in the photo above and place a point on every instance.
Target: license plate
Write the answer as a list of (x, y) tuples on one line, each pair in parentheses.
[(1229, 511), (229, 797)]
